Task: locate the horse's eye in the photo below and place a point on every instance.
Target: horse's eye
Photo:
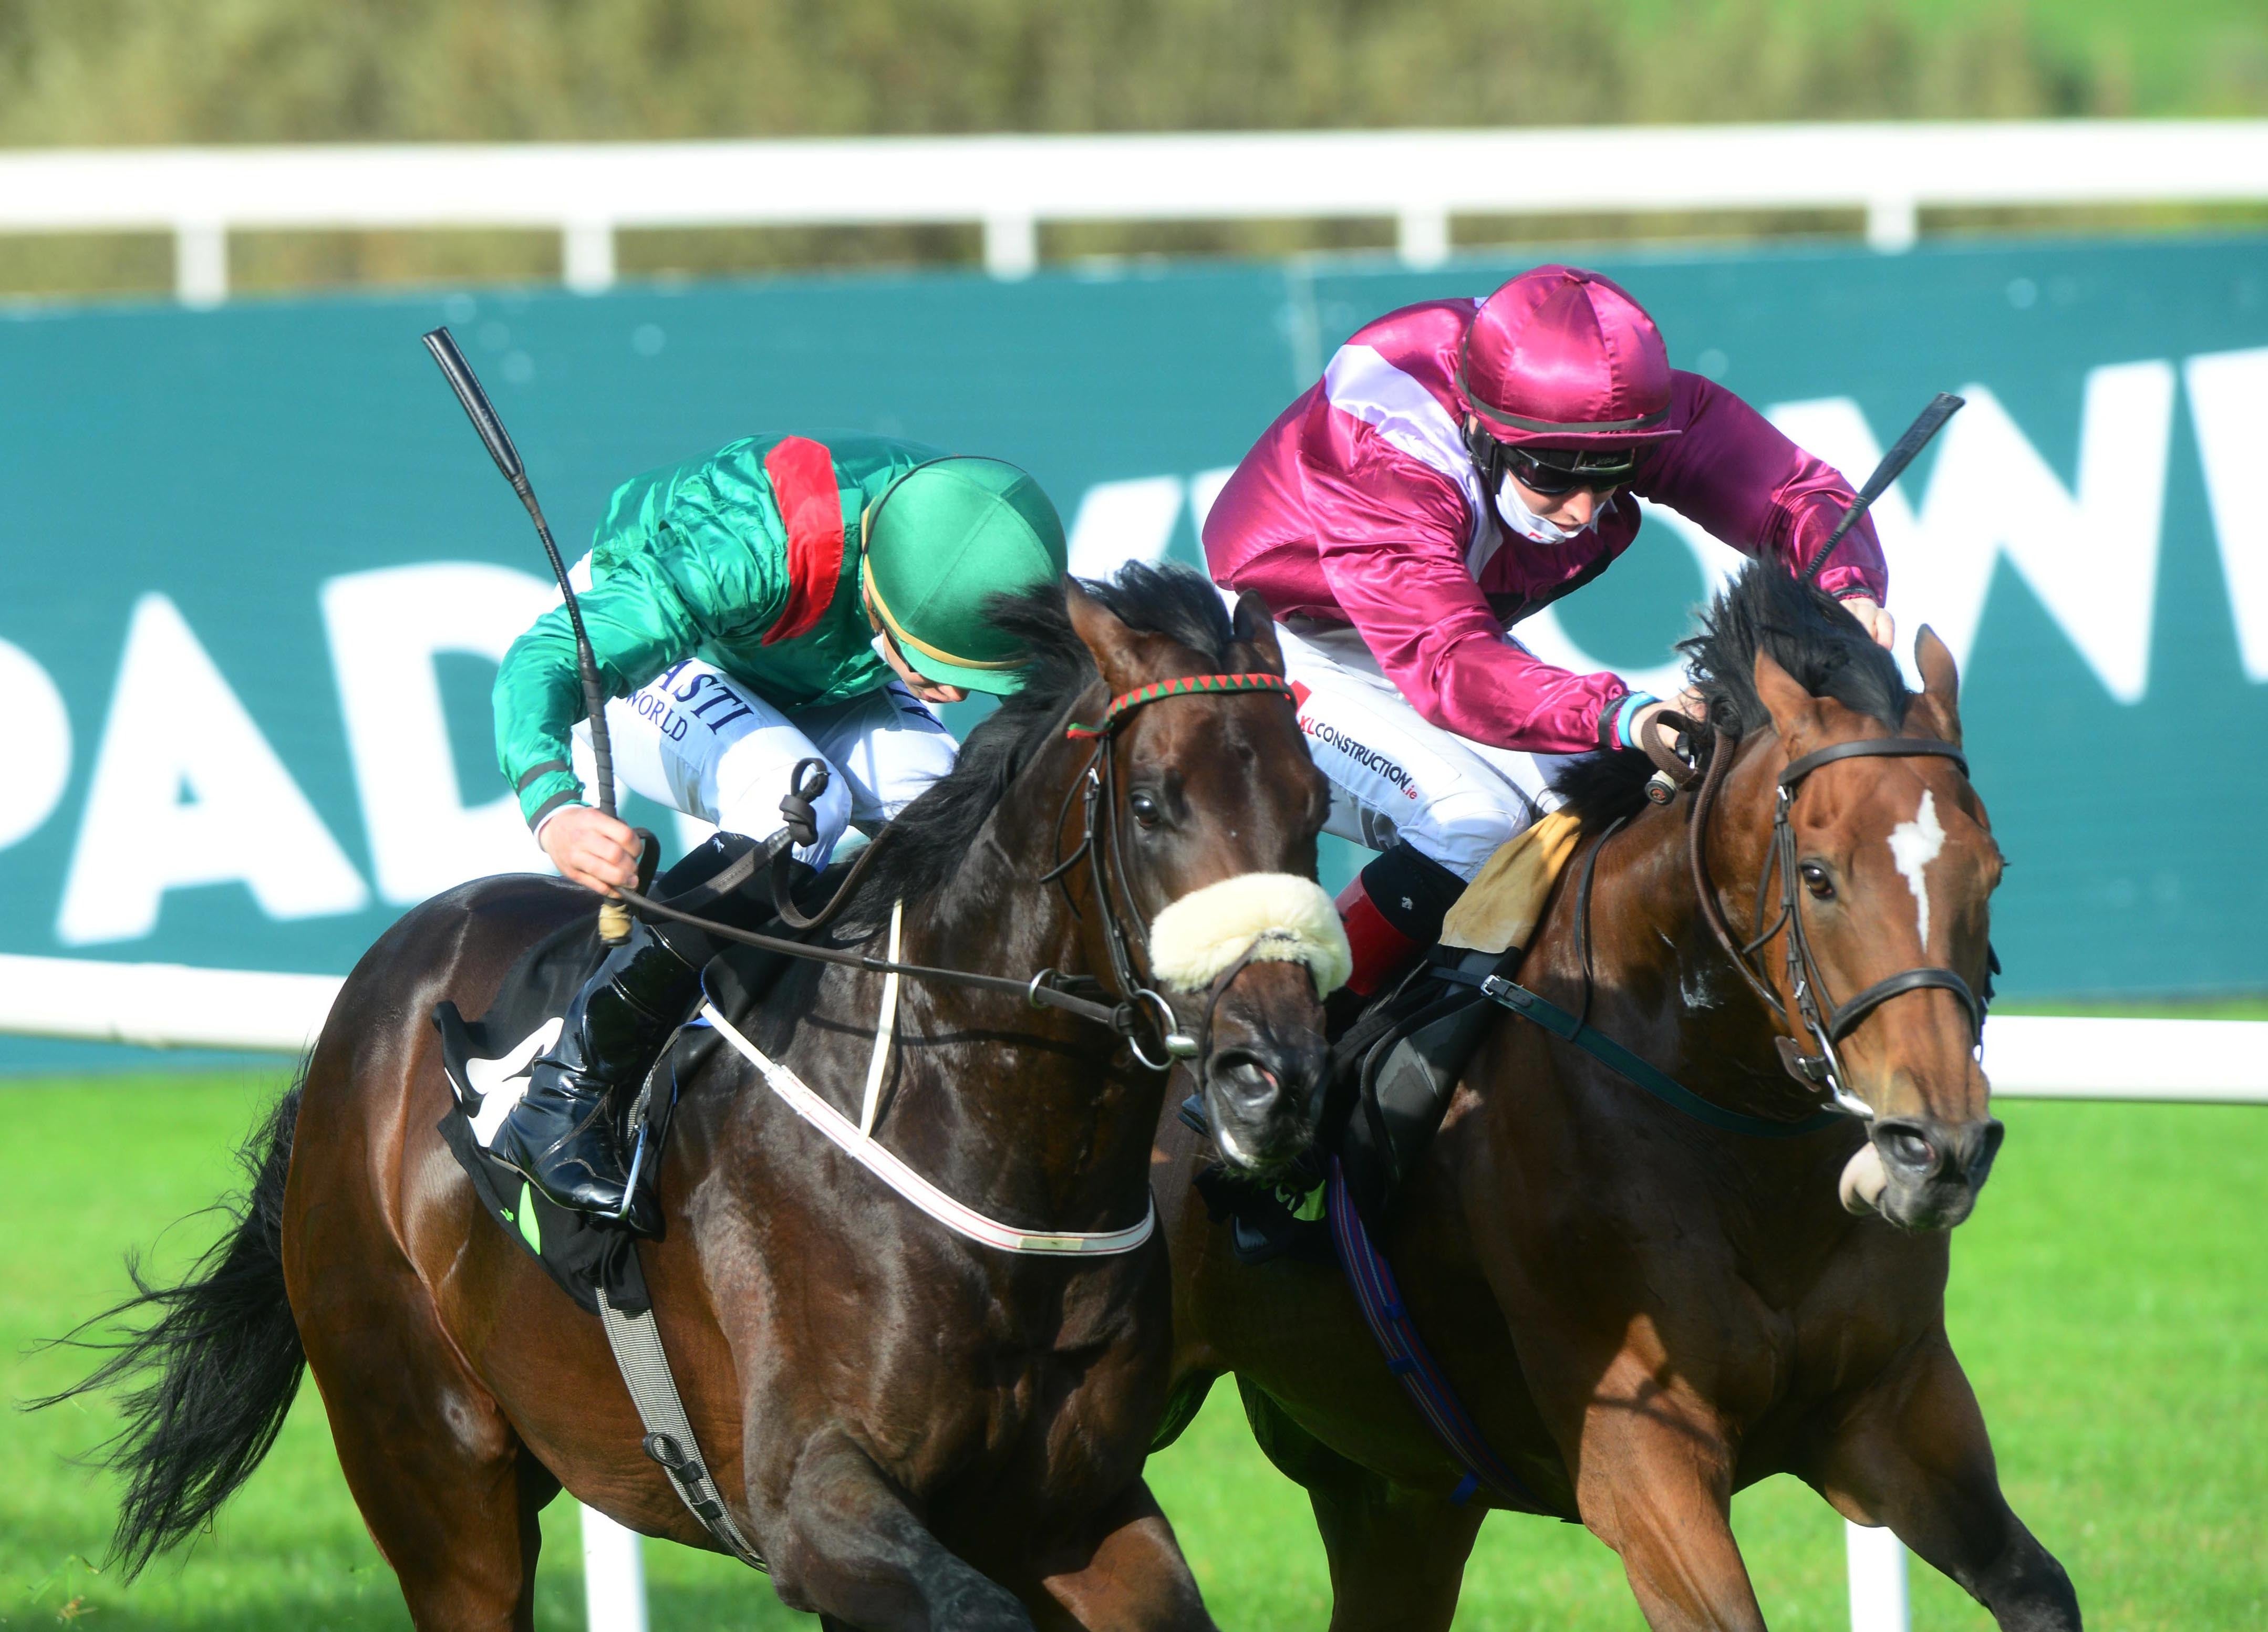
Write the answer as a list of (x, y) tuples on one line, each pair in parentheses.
[(1815, 881), (1145, 808)]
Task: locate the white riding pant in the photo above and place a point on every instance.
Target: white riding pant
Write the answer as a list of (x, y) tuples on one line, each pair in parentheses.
[(709, 748), (1397, 775)]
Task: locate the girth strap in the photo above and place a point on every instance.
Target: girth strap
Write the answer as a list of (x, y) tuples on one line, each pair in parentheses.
[(669, 1441)]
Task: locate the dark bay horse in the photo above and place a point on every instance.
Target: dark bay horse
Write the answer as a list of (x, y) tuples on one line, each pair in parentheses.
[(916, 1431), (1642, 1313)]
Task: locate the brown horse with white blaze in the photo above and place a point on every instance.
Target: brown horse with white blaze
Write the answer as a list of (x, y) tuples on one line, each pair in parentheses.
[(915, 1429), (1643, 1311)]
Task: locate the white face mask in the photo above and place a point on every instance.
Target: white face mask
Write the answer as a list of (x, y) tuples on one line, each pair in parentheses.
[(1528, 524)]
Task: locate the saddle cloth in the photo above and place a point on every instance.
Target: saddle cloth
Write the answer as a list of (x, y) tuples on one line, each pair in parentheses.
[(1501, 908), (487, 1062)]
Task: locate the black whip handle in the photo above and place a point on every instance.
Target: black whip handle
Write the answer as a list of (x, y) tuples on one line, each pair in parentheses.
[(475, 401)]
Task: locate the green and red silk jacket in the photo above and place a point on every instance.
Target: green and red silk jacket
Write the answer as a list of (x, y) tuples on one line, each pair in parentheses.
[(748, 560)]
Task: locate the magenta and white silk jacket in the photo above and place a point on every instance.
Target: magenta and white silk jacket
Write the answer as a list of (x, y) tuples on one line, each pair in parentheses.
[(1361, 505)]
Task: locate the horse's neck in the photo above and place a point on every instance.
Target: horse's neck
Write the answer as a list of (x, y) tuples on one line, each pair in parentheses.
[(1656, 958), (1057, 1124)]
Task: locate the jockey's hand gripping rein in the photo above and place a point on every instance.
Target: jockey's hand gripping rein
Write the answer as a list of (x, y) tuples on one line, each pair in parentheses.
[(613, 916)]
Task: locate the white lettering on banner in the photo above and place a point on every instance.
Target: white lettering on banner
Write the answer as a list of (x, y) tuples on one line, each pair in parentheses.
[(2090, 557), (1133, 520), (2228, 402), (176, 729), (386, 628), (37, 729), (1123, 521)]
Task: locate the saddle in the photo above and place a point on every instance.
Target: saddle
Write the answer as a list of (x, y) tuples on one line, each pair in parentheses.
[(1391, 1074), (487, 1062)]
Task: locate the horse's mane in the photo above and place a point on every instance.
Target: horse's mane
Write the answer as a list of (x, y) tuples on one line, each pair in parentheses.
[(1808, 633), (931, 837)]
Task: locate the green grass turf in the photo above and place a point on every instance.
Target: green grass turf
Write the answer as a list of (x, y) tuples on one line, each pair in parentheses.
[(2108, 1302)]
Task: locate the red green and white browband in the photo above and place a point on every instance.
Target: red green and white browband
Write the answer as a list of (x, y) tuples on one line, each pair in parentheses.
[(1188, 685)]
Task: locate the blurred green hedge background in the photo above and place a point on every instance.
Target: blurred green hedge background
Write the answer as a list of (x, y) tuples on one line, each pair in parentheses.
[(110, 72)]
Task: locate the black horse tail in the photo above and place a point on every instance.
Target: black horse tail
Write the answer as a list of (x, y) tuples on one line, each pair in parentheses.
[(217, 1364)]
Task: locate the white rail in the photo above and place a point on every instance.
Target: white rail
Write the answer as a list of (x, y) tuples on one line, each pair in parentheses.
[(162, 1005), (170, 1005), (1420, 179)]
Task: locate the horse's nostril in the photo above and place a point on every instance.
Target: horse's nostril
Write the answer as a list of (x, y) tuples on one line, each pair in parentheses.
[(1987, 1147), (1244, 1073), (1907, 1148)]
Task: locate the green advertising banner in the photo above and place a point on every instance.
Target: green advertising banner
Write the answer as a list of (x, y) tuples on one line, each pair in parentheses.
[(259, 571)]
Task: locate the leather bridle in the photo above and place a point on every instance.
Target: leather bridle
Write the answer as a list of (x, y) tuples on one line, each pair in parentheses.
[(1816, 1014), (1098, 782)]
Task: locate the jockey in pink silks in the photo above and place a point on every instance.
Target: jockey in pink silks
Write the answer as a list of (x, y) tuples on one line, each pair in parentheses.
[(1461, 464)]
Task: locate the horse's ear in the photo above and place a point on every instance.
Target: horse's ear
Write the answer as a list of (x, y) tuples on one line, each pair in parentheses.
[(1940, 681), (1255, 626), (1105, 635), (1795, 711)]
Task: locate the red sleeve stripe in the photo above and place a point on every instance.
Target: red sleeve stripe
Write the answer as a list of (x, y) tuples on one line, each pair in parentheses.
[(803, 482)]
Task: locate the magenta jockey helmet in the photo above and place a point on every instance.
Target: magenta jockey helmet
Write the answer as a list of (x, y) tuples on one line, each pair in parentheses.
[(1562, 357)]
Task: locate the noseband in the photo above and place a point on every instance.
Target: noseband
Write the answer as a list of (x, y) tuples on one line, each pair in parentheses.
[(1825, 1021)]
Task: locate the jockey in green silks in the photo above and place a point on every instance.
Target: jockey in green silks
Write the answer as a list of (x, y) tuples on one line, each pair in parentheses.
[(782, 600)]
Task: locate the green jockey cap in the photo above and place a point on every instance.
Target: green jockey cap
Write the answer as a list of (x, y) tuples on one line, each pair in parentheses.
[(942, 540)]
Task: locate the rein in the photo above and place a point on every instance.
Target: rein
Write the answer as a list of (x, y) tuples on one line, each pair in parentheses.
[(1047, 989), (1825, 1021)]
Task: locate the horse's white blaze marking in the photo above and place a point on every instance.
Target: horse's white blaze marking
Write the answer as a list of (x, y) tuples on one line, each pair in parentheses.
[(1913, 846)]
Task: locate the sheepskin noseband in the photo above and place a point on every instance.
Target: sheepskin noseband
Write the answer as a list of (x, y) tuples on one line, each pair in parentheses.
[(1281, 917)]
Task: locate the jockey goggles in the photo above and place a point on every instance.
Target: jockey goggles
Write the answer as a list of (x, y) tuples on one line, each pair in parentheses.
[(1552, 472)]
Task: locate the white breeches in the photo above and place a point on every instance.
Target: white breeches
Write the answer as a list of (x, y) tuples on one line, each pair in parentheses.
[(1395, 774), (711, 749)]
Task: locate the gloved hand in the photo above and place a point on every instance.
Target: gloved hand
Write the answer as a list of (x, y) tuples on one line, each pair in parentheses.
[(1653, 729)]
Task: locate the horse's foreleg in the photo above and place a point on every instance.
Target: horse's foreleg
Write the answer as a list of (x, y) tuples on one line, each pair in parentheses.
[(1134, 1577), (1654, 1483), (1912, 1454), (858, 1554)]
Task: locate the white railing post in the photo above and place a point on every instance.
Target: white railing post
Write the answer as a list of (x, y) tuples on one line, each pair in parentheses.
[(1012, 245), (1893, 223), (1421, 237), (614, 1575), (1878, 1579), (200, 262), (587, 256)]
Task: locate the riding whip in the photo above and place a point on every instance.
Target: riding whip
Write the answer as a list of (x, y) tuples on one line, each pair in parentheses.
[(1662, 786), (613, 916), (1941, 407)]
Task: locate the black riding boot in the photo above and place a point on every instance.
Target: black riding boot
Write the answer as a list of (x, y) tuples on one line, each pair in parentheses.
[(561, 1137)]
